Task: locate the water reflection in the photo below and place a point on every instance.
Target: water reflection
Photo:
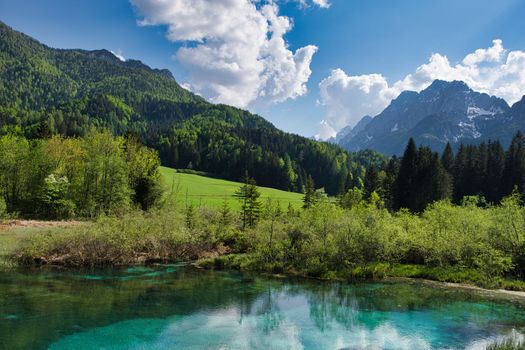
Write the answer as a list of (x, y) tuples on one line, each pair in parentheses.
[(174, 306)]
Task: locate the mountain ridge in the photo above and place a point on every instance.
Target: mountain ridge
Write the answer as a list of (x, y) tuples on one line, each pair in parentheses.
[(444, 112)]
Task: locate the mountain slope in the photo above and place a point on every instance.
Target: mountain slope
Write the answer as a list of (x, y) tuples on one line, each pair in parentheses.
[(200, 189), (443, 112), (45, 91)]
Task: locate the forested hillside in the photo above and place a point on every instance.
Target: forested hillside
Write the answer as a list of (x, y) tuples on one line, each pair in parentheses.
[(46, 91)]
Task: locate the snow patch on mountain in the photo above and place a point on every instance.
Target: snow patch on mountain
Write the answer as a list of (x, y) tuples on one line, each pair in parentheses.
[(395, 128)]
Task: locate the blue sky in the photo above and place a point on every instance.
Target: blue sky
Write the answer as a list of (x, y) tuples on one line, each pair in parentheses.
[(371, 43)]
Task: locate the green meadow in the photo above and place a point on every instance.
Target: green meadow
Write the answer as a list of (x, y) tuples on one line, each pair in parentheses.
[(207, 191)]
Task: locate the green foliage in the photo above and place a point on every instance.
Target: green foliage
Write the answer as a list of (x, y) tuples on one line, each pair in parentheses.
[(45, 91), (138, 237), (421, 179), (309, 193), (3, 209), (248, 195), (352, 198), (53, 198), (59, 178), (447, 242)]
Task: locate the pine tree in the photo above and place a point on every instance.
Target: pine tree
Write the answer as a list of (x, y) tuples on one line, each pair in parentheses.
[(494, 172), (432, 183), (225, 214), (514, 173), (388, 183), (249, 195), (447, 158), (309, 193), (372, 183), (421, 179), (406, 177), (190, 216)]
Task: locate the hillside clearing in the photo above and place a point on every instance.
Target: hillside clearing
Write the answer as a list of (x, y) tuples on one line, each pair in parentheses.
[(206, 191)]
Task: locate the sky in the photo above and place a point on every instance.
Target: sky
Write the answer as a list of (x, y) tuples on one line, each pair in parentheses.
[(311, 67)]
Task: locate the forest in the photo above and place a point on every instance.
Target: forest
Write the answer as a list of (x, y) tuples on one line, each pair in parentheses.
[(45, 92), (420, 177), (63, 178)]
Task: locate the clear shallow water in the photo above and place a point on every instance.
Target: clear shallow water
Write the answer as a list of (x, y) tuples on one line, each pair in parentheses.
[(177, 307)]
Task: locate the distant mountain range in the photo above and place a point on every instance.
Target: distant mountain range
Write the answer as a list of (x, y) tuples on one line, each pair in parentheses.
[(444, 112)]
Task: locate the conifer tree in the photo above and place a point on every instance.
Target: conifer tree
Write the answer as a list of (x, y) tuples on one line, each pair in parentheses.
[(406, 176), (447, 158), (249, 195), (494, 172), (372, 182), (514, 173), (309, 193)]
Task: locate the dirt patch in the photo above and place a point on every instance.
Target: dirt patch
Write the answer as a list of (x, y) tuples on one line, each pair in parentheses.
[(10, 224)]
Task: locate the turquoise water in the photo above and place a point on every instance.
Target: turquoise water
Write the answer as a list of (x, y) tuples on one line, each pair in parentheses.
[(178, 307)]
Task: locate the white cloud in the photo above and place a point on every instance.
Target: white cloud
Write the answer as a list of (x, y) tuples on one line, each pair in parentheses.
[(349, 98), (307, 3), (494, 70), (235, 51), (118, 54), (322, 3)]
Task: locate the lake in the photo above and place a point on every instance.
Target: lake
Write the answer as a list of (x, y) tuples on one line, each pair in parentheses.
[(181, 307)]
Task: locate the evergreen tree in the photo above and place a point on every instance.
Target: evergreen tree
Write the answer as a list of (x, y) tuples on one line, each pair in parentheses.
[(405, 181), (388, 184), (432, 183), (309, 193), (421, 179), (372, 182), (447, 158), (190, 216), (514, 172), (249, 195), (494, 172), (225, 214)]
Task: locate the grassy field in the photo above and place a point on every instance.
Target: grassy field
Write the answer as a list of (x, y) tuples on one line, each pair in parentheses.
[(207, 191)]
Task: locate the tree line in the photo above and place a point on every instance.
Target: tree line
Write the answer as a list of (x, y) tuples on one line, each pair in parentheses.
[(421, 176), (60, 178)]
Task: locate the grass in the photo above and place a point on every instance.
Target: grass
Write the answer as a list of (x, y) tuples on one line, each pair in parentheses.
[(136, 238), (212, 192), (11, 239)]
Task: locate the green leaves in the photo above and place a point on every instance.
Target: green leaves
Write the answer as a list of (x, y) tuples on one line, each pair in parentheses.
[(60, 178)]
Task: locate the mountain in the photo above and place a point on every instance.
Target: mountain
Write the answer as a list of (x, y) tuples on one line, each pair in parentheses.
[(443, 112), (349, 131), (46, 91)]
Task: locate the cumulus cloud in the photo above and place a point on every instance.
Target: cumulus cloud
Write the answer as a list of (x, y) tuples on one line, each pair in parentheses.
[(307, 3), (322, 3), (493, 70), (234, 50), (366, 93)]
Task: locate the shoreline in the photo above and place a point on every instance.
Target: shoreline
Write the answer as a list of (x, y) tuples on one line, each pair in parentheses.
[(518, 295)]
